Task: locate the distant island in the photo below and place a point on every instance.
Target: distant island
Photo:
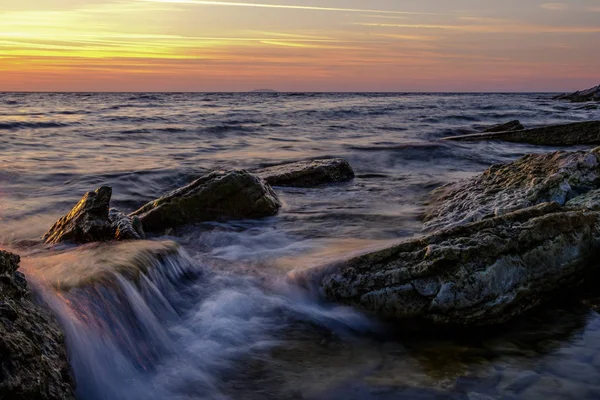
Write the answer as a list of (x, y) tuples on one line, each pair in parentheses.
[(264, 91)]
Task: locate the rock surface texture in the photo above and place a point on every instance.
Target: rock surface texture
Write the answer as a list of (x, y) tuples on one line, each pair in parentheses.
[(507, 127), (33, 358), (556, 135), (591, 94), (533, 179), (216, 196), (478, 274), (308, 173), (92, 220), (87, 222)]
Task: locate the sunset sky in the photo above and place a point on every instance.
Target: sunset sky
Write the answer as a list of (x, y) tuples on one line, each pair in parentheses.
[(299, 45)]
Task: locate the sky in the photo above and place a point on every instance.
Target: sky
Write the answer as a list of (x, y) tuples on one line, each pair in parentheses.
[(299, 45)]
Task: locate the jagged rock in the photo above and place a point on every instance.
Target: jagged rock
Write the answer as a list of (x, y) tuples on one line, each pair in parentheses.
[(556, 135), (533, 179), (477, 274), (591, 94), (91, 220), (308, 173), (216, 196), (87, 222), (33, 358), (507, 127), (124, 226)]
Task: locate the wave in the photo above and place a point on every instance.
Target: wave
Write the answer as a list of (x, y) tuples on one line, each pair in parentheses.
[(181, 327), (33, 125)]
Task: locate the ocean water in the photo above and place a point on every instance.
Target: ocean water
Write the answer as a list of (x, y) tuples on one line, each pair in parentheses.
[(217, 319)]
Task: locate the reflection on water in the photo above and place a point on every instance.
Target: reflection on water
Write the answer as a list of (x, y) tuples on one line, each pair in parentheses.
[(206, 312)]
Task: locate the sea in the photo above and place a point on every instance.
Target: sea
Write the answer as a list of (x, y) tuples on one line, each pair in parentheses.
[(219, 318)]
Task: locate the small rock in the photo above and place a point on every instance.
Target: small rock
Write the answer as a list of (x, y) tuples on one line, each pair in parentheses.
[(125, 227), (591, 94), (87, 222), (308, 173)]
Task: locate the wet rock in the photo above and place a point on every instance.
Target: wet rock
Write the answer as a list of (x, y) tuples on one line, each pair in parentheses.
[(517, 381), (577, 133), (125, 227), (308, 173), (533, 179), (507, 127), (33, 362), (216, 196), (87, 222), (591, 94), (478, 274), (589, 200)]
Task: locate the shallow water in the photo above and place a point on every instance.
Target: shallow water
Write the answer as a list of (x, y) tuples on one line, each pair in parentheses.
[(218, 320)]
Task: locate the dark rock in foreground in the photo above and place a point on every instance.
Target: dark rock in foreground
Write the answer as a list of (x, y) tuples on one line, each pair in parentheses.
[(555, 135), (92, 220), (507, 127), (591, 94), (478, 274), (533, 179), (33, 358), (87, 222), (216, 196), (308, 173)]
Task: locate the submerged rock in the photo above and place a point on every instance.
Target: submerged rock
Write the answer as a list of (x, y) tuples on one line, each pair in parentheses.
[(507, 127), (96, 263), (533, 179), (482, 273), (308, 173), (216, 196), (556, 135), (591, 94), (87, 222), (33, 361)]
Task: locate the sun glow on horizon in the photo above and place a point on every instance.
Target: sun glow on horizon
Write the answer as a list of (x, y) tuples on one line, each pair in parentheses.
[(328, 45)]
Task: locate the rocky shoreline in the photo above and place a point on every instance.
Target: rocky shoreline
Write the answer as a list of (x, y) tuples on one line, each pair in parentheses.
[(497, 245)]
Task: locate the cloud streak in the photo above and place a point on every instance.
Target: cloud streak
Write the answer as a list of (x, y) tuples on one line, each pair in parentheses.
[(286, 7)]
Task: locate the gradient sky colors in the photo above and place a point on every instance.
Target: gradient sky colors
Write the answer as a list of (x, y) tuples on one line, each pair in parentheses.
[(299, 45)]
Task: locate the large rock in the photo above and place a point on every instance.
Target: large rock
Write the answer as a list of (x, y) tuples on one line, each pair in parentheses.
[(216, 196), (533, 179), (92, 220), (482, 273), (507, 127), (556, 135), (33, 358), (591, 94), (87, 222), (308, 173)]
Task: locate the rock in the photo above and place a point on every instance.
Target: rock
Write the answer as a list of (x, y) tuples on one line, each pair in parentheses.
[(308, 173), (478, 274), (216, 196), (591, 94), (91, 220), (87, 222), (124, 226), (507, 127), (533, 179), (33, 362), (555, 135)]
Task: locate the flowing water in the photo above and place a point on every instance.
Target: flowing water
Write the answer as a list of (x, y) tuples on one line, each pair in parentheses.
[(208, 314)]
